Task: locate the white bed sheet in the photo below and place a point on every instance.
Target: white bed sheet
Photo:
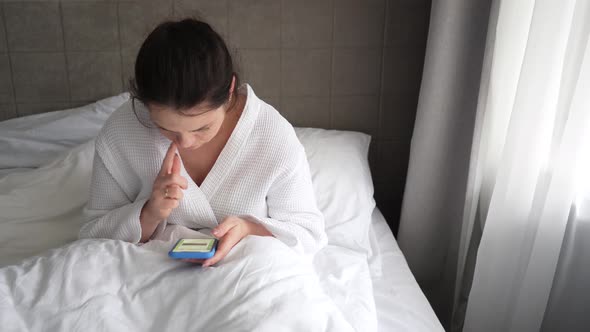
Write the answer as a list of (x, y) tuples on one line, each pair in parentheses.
[(401, 304)]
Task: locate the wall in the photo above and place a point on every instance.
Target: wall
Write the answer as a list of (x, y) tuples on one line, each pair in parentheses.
[(342, 64)]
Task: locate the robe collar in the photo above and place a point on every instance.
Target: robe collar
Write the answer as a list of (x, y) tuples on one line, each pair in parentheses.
[(195, 206)]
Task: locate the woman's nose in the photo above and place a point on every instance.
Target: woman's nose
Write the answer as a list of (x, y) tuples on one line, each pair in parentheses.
[(185, 141)]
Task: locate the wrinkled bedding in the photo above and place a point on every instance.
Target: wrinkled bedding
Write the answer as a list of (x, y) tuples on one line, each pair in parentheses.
[(262, 285), (116, 286)]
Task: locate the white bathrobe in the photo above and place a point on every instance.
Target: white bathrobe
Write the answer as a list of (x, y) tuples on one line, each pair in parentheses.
[(261, 174)]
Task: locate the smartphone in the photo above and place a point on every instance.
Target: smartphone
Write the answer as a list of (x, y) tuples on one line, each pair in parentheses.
[(193, 248)]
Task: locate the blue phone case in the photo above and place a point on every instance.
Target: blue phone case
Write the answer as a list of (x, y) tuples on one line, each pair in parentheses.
[(193, 249)]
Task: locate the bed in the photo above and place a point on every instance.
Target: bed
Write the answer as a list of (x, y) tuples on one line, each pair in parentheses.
[(51, 281)]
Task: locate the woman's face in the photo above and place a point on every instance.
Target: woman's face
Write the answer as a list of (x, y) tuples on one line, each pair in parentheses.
[(190, 129)]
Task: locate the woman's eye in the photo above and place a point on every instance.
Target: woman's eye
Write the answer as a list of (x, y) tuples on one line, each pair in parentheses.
[(201, 130)]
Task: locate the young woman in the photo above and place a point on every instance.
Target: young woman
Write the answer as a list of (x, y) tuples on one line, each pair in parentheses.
[(192, 148)]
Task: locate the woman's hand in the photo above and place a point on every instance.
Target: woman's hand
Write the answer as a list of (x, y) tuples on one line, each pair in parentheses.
[(166, 193), (231, 231)]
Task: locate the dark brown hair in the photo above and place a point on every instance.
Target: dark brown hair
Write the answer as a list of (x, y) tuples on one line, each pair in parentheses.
[(182, 64)]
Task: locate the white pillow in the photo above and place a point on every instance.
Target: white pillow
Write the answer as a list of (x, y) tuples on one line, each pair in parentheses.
[(35, 140), (342, 183)]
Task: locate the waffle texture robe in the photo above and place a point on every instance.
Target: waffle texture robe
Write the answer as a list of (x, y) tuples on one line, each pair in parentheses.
[(262, 174)]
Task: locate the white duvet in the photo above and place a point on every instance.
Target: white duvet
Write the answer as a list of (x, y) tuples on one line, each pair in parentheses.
[(111, 285), (116, 286)]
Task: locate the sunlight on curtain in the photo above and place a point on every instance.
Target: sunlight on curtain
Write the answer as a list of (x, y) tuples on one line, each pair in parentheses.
[(532, 157)]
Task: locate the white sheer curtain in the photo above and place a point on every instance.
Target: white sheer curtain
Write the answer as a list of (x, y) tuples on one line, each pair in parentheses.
[(528, 161)]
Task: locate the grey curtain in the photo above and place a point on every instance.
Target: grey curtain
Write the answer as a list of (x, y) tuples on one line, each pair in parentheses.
[(435, 192)]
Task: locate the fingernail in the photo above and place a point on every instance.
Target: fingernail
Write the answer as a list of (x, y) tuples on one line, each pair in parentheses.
[(215, 231)]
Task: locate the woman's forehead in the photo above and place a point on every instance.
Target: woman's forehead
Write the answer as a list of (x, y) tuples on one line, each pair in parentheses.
[(173, 120)]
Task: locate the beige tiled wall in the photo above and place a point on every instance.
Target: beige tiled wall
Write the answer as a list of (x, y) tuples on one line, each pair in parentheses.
[(343, 64)]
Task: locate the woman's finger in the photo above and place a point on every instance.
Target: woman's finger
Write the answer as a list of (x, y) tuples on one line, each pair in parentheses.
[(225, 245), (227, 224), (173, 180), (168, 160), (193, 260), (173, 192), (169, 204), (176, 164)]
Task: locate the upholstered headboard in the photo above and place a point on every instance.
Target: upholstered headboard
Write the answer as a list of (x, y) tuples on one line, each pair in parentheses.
[(343, 64)]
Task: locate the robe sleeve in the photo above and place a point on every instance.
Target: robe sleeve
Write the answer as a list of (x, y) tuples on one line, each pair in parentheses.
[(293, 216), (110, 213)]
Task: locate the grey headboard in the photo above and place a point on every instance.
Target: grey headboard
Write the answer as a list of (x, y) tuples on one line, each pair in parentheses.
[(342, 64)]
